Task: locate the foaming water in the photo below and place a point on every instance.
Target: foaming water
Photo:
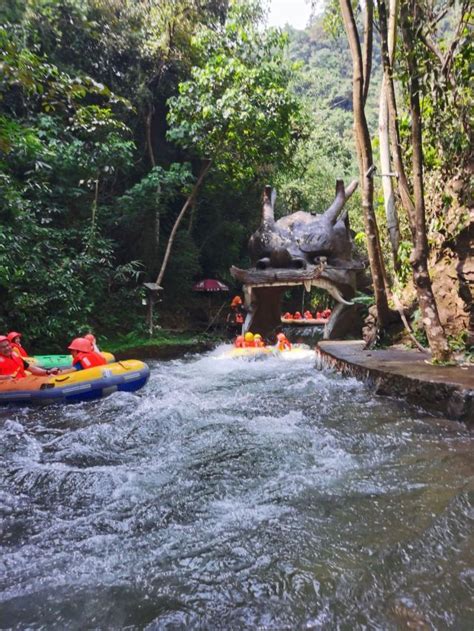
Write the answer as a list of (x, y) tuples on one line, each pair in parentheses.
[(236, 494)]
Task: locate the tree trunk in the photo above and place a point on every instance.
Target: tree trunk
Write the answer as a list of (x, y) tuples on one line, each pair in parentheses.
[(364, 154), (182, 212), (386, 166), (157, 221), (149, 137), (388, 47), (368, 46), (419, 258), (384, 133)]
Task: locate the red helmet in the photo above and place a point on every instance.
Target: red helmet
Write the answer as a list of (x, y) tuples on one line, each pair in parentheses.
[(281, 336), (236, 300), (80, 344), (12, 335), (3, 338)]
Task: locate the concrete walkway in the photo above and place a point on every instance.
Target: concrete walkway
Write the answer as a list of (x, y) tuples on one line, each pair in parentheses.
[(443, 390)]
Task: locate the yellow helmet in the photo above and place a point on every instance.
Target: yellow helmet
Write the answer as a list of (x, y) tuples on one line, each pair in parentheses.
[(257, 336), (249, 337)]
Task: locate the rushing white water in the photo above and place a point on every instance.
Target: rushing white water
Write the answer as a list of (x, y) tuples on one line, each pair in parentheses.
[(231, 494)]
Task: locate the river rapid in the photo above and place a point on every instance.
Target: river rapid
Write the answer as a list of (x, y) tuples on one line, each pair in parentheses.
[(233, 494)]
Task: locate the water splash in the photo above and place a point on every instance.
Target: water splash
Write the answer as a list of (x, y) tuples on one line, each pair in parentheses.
[(233, 494)]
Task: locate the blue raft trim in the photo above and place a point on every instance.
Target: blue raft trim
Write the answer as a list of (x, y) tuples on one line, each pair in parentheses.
[(87, 391)]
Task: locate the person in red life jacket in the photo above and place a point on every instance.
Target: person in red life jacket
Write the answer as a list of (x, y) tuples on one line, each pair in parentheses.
[(15, 340), (318, 315), (83, 356), (297, 316), (283, 344), (257, 341), (249, 340), (239, 341), (12, 366), (93, 341), (236, 317), (288, 316), (308, 315)]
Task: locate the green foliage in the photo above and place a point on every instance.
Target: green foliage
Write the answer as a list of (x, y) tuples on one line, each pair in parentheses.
[(364, 299), (444, 54), (405, 270), (59, 155), (418, 329), (90, 186), (236, 108), (157, 188), (93, 176), (183, 267), (327, 151), (457, 343), (162, 339)]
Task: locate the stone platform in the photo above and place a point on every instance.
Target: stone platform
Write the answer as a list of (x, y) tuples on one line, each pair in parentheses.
[(443, 390)]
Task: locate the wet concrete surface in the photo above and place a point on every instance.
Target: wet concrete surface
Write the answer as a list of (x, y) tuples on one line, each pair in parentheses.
[(444, 390)]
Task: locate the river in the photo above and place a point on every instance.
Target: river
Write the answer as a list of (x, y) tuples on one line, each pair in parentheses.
[(230, 494)]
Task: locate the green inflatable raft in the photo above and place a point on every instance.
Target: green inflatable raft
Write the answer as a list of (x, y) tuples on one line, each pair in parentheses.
[(59, 361)]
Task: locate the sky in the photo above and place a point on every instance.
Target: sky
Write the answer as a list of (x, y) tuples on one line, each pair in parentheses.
[(294, 12)]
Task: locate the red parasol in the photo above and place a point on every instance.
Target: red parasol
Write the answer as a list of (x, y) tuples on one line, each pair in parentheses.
[(210, 284)]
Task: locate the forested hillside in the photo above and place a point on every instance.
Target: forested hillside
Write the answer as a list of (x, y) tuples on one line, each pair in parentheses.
[(324, 84), (109, 111), (119, 118)]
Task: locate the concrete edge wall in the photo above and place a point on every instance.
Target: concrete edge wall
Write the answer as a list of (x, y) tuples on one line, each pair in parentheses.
[(453, 402)]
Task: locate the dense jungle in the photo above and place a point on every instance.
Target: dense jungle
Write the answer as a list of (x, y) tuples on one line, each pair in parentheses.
[(178, 180), (119, 118)]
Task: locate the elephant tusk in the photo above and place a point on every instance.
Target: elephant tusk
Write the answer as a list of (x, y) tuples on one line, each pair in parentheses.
[(333, 290), (336, 294)]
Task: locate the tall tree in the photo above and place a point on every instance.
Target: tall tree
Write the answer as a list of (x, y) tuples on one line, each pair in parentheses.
[(410, 25), (360, 85)]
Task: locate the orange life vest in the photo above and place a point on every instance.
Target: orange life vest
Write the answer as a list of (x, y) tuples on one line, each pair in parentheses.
[(89, 360), (284, 344), (18, 349), (12, 366)]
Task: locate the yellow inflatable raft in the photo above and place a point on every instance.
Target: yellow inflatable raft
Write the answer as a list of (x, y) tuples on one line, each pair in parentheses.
[(82, 385), (251, 352)]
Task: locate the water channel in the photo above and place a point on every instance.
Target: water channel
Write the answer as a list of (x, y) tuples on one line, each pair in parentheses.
[(236, 495)]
